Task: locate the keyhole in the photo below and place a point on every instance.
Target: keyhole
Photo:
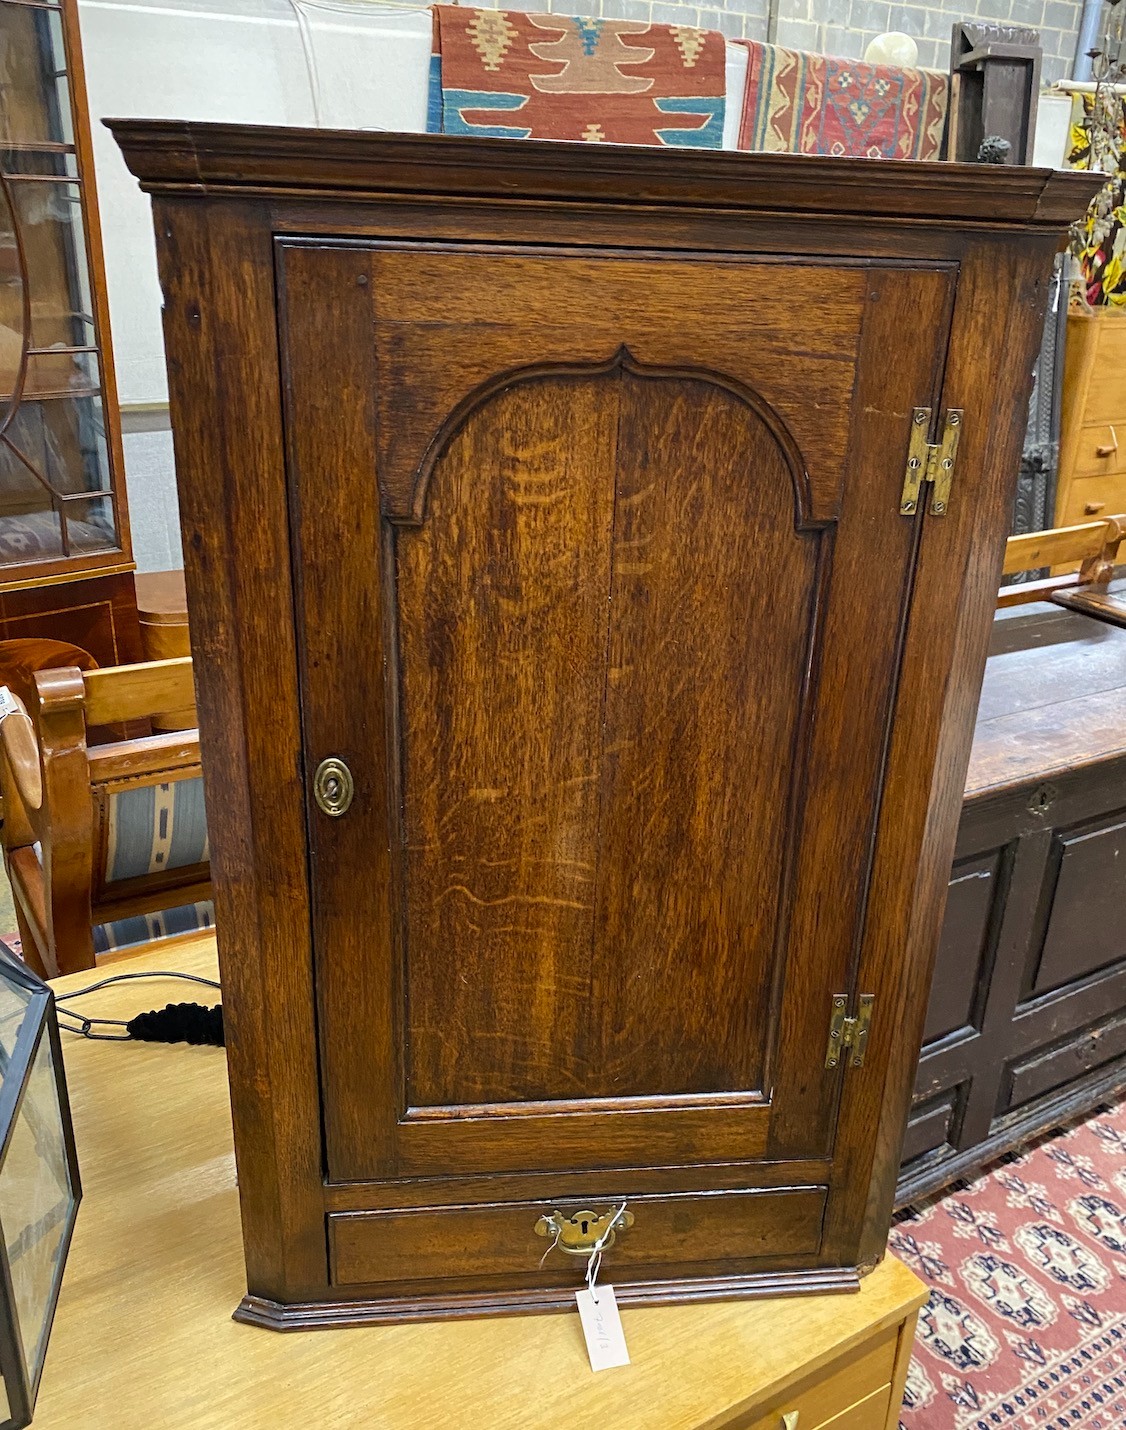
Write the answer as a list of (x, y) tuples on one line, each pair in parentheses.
[(332, 789), (585, 1225), (1042, 800)]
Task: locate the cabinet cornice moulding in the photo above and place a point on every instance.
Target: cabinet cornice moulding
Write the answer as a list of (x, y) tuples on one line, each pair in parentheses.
[(177, 156)]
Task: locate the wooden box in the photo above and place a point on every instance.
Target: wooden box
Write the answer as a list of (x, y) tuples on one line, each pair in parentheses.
[(591, 555)]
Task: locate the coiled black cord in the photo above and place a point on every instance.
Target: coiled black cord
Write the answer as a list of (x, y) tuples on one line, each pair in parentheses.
[(175, 1023)]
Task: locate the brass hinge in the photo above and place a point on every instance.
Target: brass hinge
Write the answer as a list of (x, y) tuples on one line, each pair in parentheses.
[(846, 1032), (929, 461)]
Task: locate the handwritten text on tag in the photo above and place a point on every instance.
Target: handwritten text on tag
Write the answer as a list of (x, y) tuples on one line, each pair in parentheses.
[(602, 1327)]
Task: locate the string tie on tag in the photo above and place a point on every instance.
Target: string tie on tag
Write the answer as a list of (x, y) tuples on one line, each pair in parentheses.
[(594, 1261)]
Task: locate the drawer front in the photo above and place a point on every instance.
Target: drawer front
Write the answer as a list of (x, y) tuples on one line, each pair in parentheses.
[(1101, 450), (929, 1126), (689, 1230), (1052, 1069), (1103, 400), (853, 1395), (1085, 498)]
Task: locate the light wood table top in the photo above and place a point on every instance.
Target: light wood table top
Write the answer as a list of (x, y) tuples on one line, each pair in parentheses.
[(143, 1337)]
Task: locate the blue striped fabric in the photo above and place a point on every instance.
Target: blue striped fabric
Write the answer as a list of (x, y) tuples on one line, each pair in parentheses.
[(143, 928), (155, 827)]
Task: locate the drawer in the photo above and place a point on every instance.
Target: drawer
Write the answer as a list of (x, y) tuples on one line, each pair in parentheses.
[(692, 1229), (853, 1395), (1101, 449), (1107, 495), (929, 1126), (1049, 1070), (1104, 398)]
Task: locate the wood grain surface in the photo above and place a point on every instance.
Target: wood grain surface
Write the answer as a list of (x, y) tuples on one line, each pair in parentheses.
[(143, 1334), (1105, 603), (517, 477), (1025, 1025)]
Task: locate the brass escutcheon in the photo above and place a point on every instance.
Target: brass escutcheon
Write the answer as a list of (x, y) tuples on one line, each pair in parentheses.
[(333, 787), (579, 1233)]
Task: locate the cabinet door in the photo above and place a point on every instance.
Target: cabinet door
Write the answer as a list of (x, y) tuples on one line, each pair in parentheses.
[(602, 587)]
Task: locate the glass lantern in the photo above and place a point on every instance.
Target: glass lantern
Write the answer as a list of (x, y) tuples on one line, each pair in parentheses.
[(39, 1186)]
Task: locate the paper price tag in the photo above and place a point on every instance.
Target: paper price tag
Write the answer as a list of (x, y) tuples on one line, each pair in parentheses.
[(602, 1327)]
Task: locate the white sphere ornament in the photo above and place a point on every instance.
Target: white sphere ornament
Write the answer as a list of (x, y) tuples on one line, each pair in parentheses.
[(892, 48)]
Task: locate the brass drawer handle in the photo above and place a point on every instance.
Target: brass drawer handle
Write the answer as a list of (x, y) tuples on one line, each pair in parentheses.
[(333, 787), (583, 1232)]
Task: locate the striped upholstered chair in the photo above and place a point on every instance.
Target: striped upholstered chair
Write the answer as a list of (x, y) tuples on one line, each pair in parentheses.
[(105, 845)]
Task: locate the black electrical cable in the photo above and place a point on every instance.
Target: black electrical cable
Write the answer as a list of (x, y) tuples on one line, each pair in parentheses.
[(175, 1023)]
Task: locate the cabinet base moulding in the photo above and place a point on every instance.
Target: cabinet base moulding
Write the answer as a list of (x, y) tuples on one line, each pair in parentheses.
[(388, 1310)]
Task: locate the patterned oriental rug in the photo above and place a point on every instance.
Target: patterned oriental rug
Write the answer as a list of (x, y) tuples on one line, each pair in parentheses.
[(514, 76), (798, 103), (1026, 1324)]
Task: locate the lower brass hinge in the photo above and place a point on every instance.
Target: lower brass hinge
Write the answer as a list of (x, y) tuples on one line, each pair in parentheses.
[(931, 462), (846, 1032)]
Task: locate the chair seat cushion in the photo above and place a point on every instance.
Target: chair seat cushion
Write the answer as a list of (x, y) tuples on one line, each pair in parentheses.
[(152, 828), (144, 928)]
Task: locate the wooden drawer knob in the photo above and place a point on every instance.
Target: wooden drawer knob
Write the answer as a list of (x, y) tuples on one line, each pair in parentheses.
[(1108, 449), (790, 1420), (1092, 508)]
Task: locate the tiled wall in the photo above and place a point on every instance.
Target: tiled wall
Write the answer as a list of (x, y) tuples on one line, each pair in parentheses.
[(844, 27)]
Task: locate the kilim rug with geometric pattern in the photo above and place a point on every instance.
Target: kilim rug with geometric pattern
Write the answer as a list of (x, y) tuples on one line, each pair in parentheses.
[(1025, 1328)]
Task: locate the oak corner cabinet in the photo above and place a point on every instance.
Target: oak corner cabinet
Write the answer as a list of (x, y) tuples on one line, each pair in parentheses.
[(591, 554)]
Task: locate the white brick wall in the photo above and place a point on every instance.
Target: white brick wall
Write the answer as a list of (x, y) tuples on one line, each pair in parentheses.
[(844, 27)]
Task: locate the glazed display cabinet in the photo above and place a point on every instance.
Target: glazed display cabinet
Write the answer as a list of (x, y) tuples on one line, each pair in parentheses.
[(63, 514)]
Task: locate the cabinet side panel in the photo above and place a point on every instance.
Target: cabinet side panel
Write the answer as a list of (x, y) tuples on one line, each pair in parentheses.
[(217, 274), (955, 594)]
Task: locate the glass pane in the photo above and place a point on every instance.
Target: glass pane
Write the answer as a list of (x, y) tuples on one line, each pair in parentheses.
[(49, 216), (64, 441), (90, 524), (36, 1202), (56, 164), (13, 1006), (11, 302), (36, 98), (59, 374), (30, 529)]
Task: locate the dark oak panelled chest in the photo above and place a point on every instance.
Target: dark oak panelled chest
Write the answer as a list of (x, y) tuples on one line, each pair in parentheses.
[(586, 695), (1026, 1024)]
